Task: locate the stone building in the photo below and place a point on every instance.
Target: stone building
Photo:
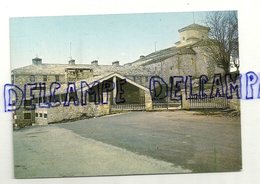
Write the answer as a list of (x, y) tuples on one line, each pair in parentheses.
[(39, 77), (187, 57)]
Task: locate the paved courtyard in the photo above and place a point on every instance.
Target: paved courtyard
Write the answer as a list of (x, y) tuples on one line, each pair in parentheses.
[(130, 143)]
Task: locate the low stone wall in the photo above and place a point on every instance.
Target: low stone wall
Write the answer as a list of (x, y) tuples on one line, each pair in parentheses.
[(57, 114), (148, 101), (234, 104)]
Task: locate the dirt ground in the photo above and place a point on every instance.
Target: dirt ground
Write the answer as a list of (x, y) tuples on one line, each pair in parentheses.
[(131, 143)]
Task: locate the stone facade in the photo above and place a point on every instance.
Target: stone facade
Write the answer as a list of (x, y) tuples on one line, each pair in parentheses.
[(235, 104), (187, 57), (60, 113)]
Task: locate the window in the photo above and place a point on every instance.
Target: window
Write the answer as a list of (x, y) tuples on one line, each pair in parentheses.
[(27, 115), (45, 78), (40, 114), (45, 99), (45, 115), (134, 78), (146, 79), (57, 78), (62, 98), (36, 114), (72, 96), (183, 38), (12, 78), (27, 103), (171, 68), (32, 78)]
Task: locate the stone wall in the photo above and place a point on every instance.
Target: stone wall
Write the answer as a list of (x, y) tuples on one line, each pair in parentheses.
[(60, 113), (234, 104)]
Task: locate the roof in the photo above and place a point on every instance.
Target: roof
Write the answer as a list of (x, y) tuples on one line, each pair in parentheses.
[(194, 27), (156, 56), (59, 69), (92, 80), (186, 50), (162, 55), (45, 68), (204, 42)]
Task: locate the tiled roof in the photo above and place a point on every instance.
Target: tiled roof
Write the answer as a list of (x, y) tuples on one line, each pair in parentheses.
[(186, 51), (123, 70), (193, 27), (162, 55), (59, 69), (204, 42), (90, 81), (47, 69), (156, 56)]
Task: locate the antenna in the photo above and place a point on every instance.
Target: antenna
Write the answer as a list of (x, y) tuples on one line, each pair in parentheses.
[(70, 51), (155, 46), (193, 17)]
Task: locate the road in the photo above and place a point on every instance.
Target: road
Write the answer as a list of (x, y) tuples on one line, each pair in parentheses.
[(130, 143)]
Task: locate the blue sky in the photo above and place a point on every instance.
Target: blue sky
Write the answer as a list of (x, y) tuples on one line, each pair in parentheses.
[(106, 38)]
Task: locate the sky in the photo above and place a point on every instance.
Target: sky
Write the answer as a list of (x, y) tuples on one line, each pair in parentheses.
[(106, 38)]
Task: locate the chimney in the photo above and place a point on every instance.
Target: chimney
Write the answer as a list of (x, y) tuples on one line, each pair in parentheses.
[(94, 63), (128, 64), (72, 62), (115, 63), (37, 61)]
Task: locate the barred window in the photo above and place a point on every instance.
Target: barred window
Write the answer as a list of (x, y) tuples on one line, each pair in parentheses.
[(36, 114), (45, 115), (27, 115), (27, 103)]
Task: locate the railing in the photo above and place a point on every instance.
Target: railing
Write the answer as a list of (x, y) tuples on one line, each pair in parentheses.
[(166, 104), (217, 102), (135, 103)]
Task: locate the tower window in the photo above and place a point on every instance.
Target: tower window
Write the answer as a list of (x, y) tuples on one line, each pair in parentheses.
[(183, 38), (57, 78), (134, 78), (32, 78)]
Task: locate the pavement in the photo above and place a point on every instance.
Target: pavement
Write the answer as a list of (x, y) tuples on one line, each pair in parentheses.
[(130, 143)]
